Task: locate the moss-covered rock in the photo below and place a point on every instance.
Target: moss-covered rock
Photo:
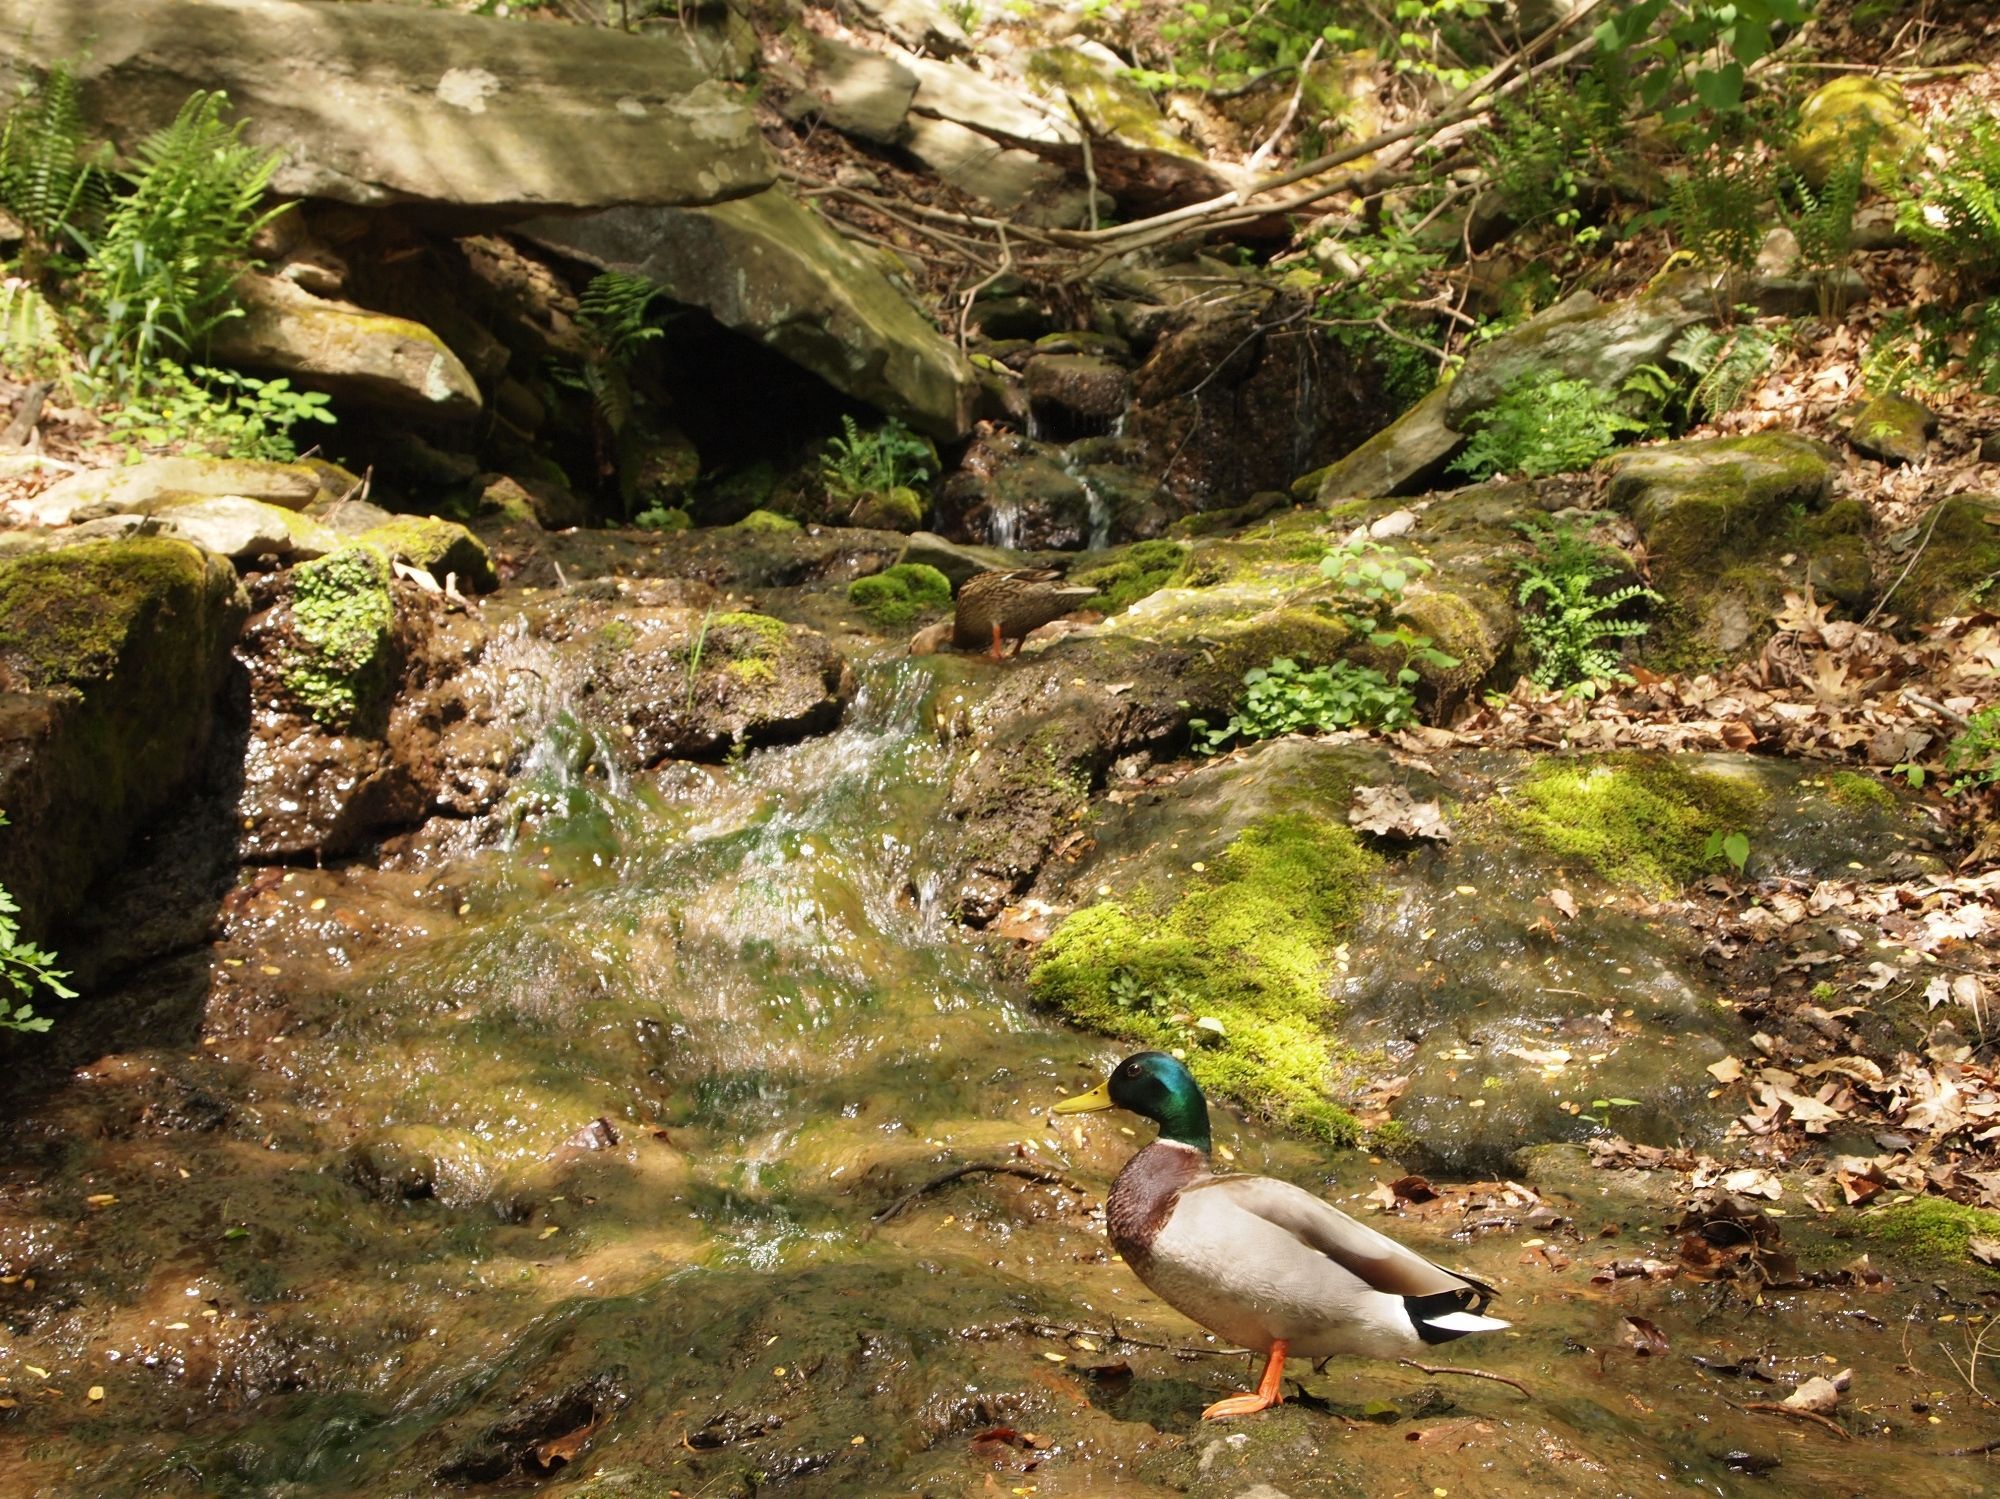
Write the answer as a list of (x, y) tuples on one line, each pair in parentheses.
[(1958, 564), (1893, 428), (1935, 1233), (658, 465), (900, 595), (898, 509), (141, 487), (342, 612), (111, 654), (768, 522), (440, 547), (1635, 819), (1113, 106), (1234, 972), (1129, 575), (1855, 112)]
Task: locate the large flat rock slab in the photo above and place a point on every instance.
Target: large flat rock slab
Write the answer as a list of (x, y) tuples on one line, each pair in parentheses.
[(377, 104)]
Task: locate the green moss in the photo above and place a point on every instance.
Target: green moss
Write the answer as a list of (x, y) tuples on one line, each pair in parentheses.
[(766, 521), (1851, 789), (897, 509), (343, 612), (771, 630), (1249, 944), (1700, 504), (1961, 559), (438, 546), (901, 594), (1143, 568), (66, 615), (1933, 1230), (752, 669), (1638, 820)]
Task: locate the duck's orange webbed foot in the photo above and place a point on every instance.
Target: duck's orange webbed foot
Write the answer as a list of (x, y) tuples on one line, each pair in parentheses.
[(1269, 1391), (994, 653)]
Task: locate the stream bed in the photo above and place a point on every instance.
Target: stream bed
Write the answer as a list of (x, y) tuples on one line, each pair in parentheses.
[(547, 1157)]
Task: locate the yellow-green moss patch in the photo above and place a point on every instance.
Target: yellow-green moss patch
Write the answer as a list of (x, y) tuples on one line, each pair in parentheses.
[(1143, 568), (900, 594), (1638, 820), (1249, 946), (343, 612), (1850, 789), (1934, 1231), (66, 615)]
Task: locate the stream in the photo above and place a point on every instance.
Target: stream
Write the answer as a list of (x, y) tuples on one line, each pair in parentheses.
[(547, 1158)]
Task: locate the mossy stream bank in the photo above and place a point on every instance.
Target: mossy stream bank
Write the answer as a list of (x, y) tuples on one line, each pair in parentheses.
[(551, 1161)]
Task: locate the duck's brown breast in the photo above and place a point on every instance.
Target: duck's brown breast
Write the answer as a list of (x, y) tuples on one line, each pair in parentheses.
[(1144, 1194)]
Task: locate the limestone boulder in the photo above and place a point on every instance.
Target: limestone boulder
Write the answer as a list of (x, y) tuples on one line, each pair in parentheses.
[(351, 353), (1399, 459), (1893, 428), (775, 271), (382, 103), (856, 91), (157, 481), (244, 529), (112, 654)]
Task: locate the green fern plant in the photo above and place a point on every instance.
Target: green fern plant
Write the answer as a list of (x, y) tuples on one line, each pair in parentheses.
[(158, 278), (1716, 203), (1566, 620), (1542, 427), (26, 970), (1823, 223), (50, 176), (616, 317), (1723, 363), (857, 464), (1952, 211)]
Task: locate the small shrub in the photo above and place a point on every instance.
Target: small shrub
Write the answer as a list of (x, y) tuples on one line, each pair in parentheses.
[(1723, 363), (1974, 752), (858, 464), (1568, 629), (1540, 427), (27, 970), (1952, 210), (50, 177), (230, 414), (615, 314), (1286, 698), (158, 277)]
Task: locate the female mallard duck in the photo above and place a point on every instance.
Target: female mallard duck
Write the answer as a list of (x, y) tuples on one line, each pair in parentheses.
[(1260, 1261), (1000, 606)]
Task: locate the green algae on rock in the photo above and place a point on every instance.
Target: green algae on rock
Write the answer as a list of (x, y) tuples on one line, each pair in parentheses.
[(900, 594), (440, 547), (1636, 819), (343, 611), (1933, 1231), (1248, 946), (1130, 575)]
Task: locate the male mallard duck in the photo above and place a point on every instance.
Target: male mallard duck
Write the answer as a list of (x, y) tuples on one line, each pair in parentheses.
[(1006, 605), (1259, 1261)]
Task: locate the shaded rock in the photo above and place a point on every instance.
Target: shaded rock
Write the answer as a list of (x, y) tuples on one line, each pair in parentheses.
[(955, 561), (353, 354), (111, 657), (751, 680), (1400, 459), (1712, 514), (292, 486), (1078, 386), (1237, 397), (1893, 428), (857, 92), (1090, 79), (770, 268), (378, 103), (241, 529), (354, 687), (1005, 177), (349, 517), (442, 548), (1961, 557), (1855, 112), (917, 25), (967, 98), (1013, 492), (1581, 338), (657, 464), (536, 501)]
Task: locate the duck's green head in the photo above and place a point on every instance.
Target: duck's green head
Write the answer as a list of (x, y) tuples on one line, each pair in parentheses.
[(1152, 1084)]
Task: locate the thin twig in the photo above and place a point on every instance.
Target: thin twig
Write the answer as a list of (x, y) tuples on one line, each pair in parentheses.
[(1980, 1451), (1256, 158), (996, 1168), (1774, 1408), (1883, 602), (1468, 1373)]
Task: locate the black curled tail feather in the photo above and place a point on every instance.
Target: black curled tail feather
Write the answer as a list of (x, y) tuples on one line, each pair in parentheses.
[(1423, 1310)]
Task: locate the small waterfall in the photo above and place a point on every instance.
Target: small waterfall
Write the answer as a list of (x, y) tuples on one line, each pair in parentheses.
[(1003, 522), (1099, 513)]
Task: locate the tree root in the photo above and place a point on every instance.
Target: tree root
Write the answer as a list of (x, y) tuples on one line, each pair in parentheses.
[(1468, 1373)]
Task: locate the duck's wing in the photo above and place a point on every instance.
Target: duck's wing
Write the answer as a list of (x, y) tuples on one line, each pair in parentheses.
[(1372, 1258)]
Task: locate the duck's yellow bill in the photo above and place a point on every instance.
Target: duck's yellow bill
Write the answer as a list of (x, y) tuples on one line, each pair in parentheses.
[(1085, 1103)]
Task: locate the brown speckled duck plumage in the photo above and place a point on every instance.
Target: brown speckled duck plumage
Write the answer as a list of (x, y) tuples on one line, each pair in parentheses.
[(998, 606)]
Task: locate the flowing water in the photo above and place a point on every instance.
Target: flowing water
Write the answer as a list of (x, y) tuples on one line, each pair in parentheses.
[(549, 1161)]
